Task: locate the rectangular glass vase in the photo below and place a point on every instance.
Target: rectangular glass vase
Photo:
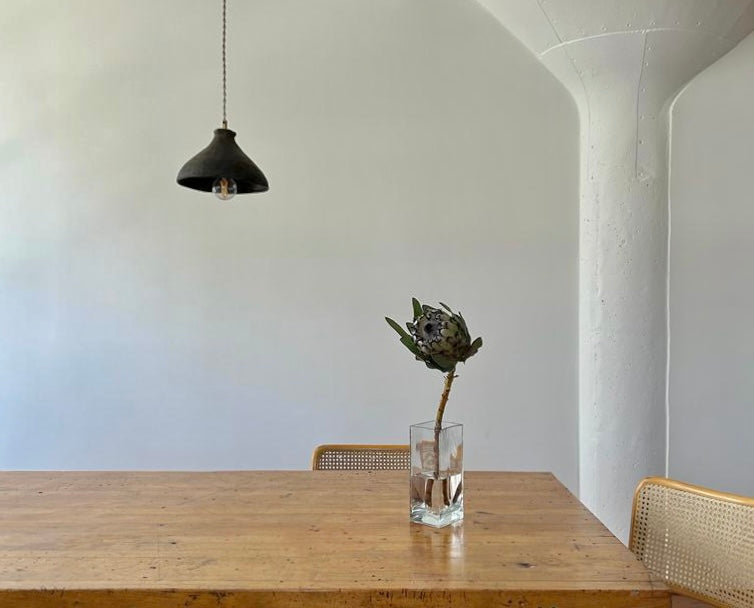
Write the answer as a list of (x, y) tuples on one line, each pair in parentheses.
[(436, 488)]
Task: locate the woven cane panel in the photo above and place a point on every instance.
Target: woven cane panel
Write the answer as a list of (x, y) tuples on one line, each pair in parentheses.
[(362, 459), (698, 544)]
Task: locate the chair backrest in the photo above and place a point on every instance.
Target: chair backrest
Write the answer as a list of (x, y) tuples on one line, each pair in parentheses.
[(360, 457), (699, 541)]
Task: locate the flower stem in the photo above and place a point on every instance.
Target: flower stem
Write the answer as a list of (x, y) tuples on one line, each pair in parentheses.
[(451, 375)]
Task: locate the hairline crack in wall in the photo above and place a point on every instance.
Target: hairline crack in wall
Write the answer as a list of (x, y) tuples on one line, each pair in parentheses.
[(624, 63)]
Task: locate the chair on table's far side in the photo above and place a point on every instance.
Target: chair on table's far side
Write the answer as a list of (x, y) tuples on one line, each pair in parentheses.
[(360, 457), (699, 541)]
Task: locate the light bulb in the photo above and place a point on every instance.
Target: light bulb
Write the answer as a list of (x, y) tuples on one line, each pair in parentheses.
[(225, 188)]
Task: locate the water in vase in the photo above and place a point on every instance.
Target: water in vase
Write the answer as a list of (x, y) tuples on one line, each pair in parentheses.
[(436, 485)]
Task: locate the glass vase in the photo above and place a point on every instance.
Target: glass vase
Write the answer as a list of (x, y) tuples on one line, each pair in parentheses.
[(436, 473)]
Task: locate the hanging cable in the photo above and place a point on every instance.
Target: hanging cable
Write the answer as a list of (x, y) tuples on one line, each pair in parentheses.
[(225, 75)]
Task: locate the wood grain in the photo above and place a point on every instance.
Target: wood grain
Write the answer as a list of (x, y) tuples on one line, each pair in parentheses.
[(304, 538)]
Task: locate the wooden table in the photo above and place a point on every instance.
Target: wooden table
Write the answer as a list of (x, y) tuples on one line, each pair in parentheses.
[(304, 538)]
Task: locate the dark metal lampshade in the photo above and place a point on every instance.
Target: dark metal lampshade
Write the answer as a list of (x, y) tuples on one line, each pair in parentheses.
[(222, 158)]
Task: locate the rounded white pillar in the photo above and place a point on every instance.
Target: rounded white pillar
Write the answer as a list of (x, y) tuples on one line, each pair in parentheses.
[(624, 61)]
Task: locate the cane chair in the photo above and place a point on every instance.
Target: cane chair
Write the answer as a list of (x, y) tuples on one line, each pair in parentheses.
[(699, 541), (360, 457)]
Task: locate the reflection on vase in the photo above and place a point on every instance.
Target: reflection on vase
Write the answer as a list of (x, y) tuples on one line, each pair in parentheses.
[(436, 474)]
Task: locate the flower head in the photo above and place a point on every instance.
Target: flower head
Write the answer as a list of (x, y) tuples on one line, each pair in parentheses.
[(439, 338)]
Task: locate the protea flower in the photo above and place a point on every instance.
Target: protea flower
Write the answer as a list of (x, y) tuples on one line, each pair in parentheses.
[(440, 339)]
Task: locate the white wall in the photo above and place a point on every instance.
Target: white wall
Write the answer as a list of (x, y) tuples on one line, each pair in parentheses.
[(711, 389), (413, 148), (624, 63)]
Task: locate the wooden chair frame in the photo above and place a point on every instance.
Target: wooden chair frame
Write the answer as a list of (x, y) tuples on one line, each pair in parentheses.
[(323, 449), (722, 498)]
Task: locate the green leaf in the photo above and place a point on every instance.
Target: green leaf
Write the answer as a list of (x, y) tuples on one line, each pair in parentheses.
[(401, 332), (444, 363), (417, 308), (475, 346), (410, 345), (462, 323), (446, 307)]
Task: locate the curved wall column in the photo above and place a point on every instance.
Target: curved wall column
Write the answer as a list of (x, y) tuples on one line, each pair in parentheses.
[(624, 62)]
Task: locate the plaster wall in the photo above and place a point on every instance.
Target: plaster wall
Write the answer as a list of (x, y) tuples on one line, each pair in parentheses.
[(711, 388), (624, 62), (413, 149)]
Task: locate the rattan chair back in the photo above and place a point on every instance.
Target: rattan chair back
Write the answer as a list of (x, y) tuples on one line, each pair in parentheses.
[(360, 457), (699, 541)]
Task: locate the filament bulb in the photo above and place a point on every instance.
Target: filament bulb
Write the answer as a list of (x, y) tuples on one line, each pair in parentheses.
[(225, 188)]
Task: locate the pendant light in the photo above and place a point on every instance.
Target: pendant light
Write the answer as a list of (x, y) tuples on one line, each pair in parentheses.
[(222, 167)]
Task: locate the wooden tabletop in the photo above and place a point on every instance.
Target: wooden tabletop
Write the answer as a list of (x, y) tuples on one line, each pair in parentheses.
[(304, 538)]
